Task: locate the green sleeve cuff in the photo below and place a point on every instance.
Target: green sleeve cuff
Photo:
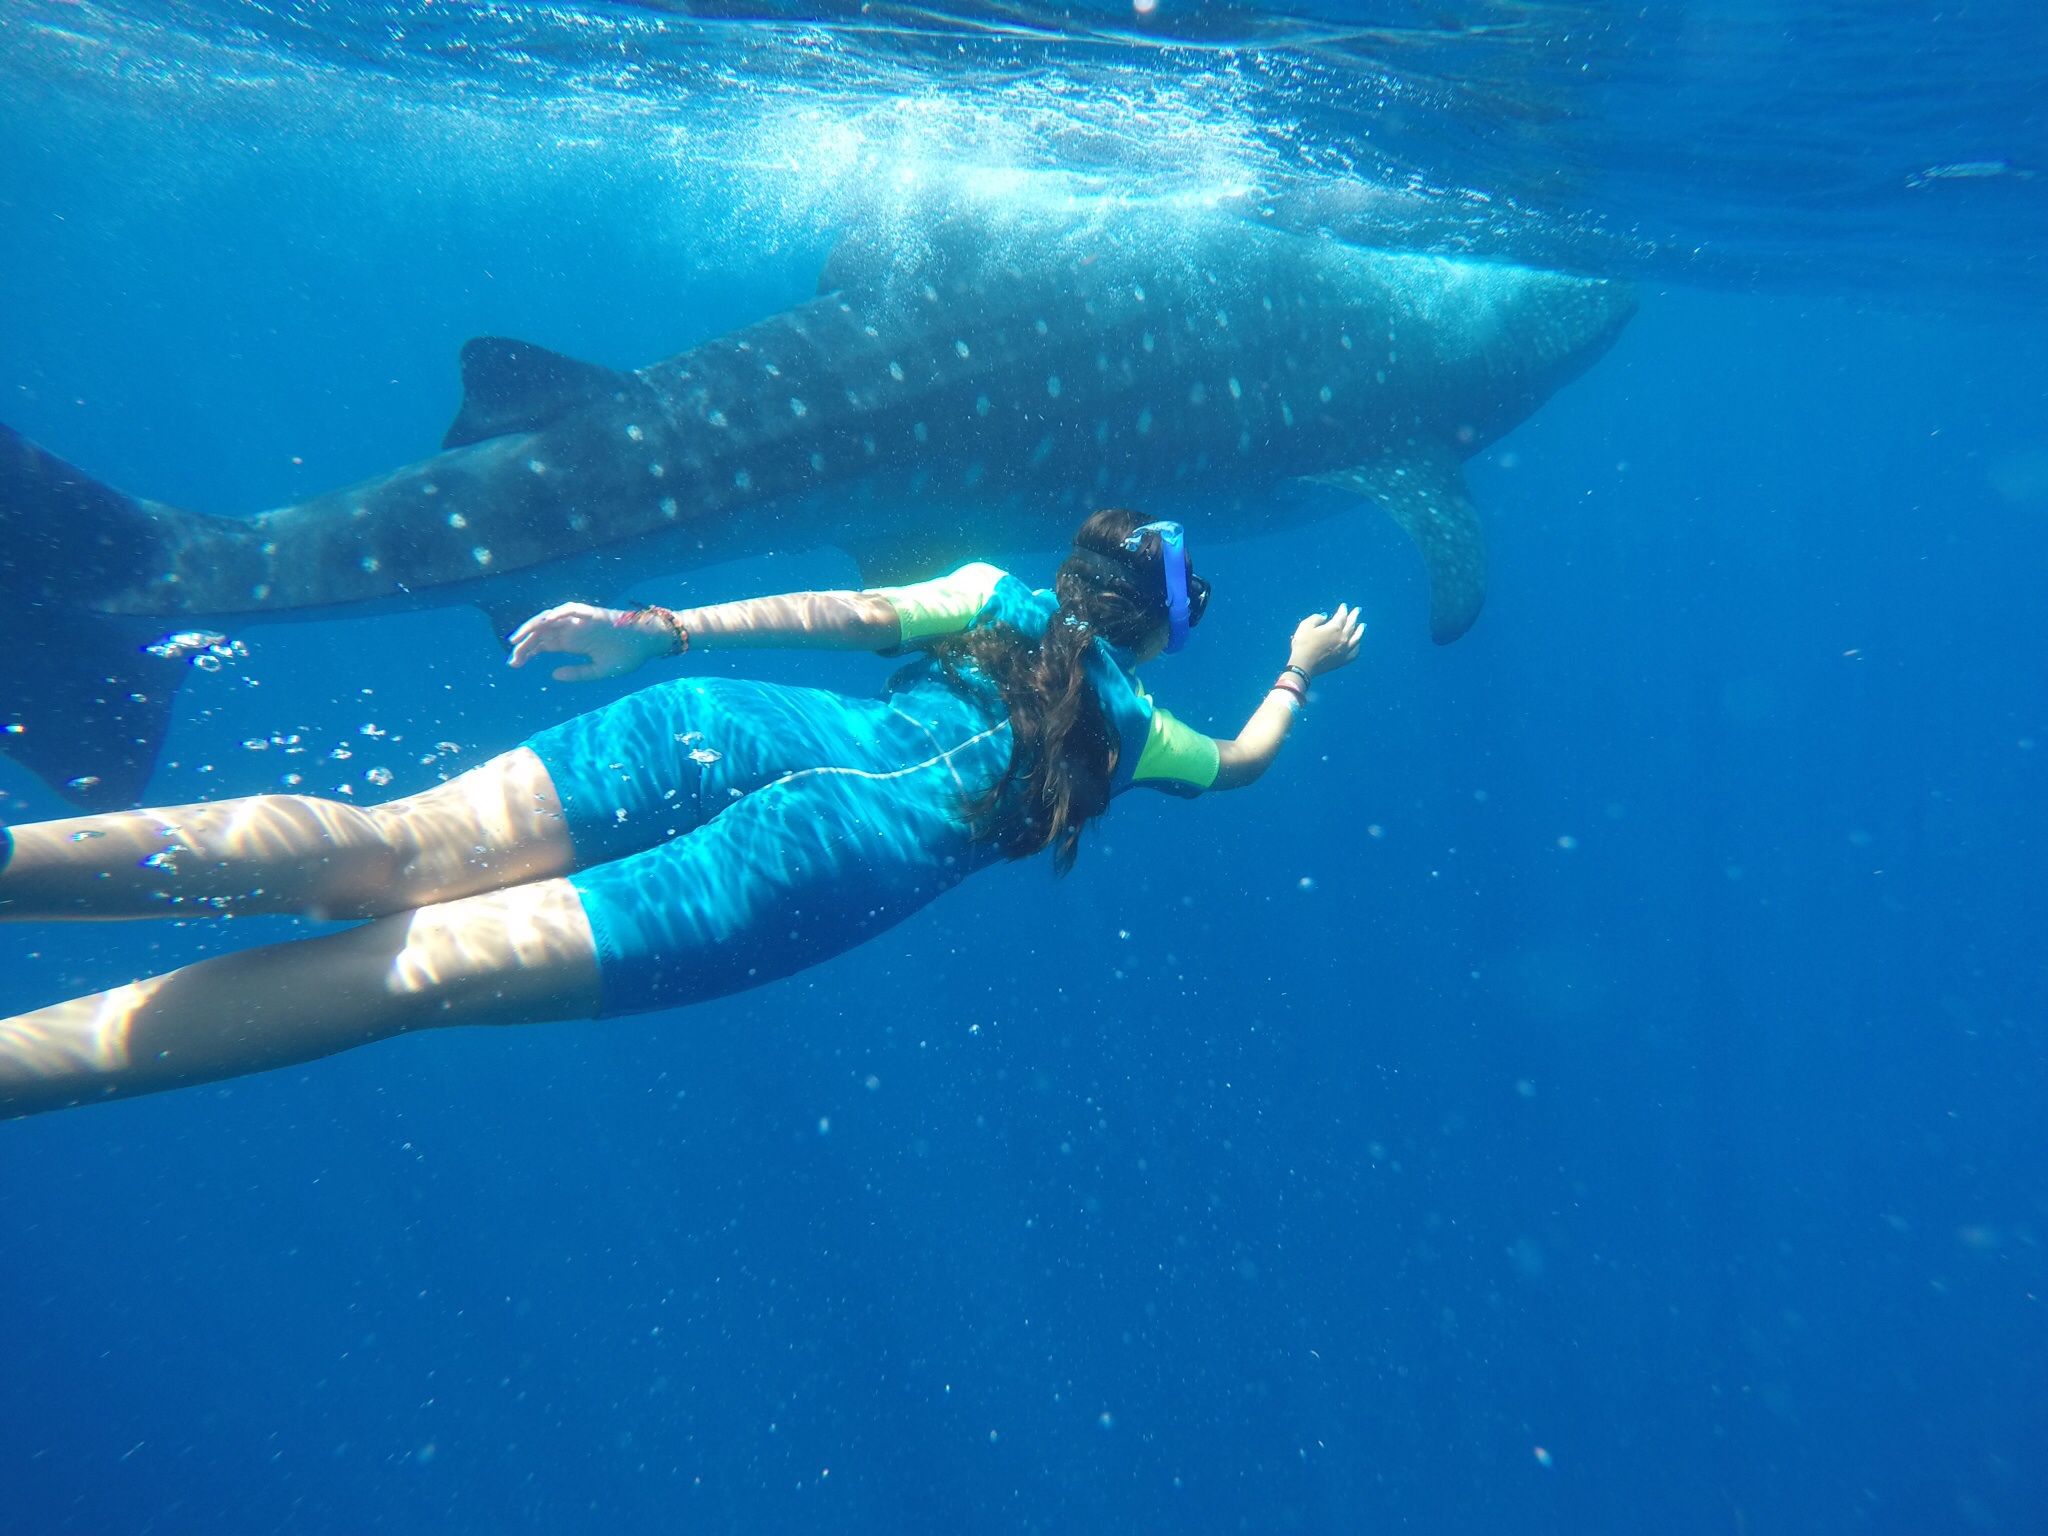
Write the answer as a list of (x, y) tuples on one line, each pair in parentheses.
[(944, 605), (1176, 753)]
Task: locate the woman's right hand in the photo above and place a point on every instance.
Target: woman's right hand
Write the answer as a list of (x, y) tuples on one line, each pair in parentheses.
[(1325, 642), (614, 643)]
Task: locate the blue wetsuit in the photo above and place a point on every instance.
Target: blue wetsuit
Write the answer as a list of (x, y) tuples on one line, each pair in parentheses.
[(727, 833)]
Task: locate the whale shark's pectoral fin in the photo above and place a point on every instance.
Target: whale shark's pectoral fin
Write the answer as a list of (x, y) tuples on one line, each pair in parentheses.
[(512, 606), (87, 707), (897, 560), (514, 386), (1425, 493)]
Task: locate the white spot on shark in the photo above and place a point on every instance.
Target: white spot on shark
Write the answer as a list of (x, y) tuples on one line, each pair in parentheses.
[(1236, 390), (457, 520), (1052, 385), (974, 473), (480, 555), (634, 434), (1323, 394), (1138, 293), (743, 479), (961, 348), (430, 489), (536, 466), (1040, 326), (717, 419), (818, 463), (981, 405), (920, 431), (358, 510), (1148, 341), (1287, 413), (867, 444), (1344, 341), (797, 407), (579, 522), (1145, 421), (896, 372), (1038, 454), (1222, 319), (668, 506), (657, 470), (1198, 393), (370, 564)]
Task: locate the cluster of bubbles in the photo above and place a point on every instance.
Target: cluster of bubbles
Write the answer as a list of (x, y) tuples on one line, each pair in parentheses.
[(295, 744), (207, 651)]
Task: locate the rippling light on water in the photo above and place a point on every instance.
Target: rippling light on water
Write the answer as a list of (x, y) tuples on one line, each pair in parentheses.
[(1801, 141)]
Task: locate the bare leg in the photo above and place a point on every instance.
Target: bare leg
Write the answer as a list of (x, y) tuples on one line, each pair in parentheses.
[(507, 957), (499, 824)]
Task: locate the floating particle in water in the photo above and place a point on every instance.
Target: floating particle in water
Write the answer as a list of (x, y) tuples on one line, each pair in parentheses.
[(371, 729), (1305, 883), (379, 776), (340, 755), (1106, 1419), (1543, 1457), (164, 861), (293, 780), (16, 728), (83, 781), (447, 748), (1567, 843), (704, 756), (256, 744), (79, 837)]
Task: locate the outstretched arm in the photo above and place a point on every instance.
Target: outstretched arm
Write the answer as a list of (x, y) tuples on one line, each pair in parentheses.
[(1321, 644), (617, 642)]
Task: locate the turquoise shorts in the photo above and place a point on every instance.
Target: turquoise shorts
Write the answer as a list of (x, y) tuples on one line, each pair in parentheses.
[(728, 833)]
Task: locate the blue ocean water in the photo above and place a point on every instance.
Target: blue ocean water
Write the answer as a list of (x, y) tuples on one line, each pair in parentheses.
[(1594, 1084)]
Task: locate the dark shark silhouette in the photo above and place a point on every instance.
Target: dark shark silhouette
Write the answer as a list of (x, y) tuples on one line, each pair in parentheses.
[(1024, 367)]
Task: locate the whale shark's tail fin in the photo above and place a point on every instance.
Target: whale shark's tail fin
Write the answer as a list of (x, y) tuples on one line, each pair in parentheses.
[(83, 705), (1424, 491)]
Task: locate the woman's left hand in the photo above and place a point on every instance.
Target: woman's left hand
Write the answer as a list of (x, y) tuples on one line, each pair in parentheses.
[(615, 643)]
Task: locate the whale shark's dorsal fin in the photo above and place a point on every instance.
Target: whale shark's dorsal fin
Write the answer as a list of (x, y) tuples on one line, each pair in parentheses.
[(515, 386), (1423, 491)]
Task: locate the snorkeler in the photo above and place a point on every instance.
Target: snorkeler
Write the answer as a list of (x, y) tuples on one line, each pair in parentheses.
[(692, 839)]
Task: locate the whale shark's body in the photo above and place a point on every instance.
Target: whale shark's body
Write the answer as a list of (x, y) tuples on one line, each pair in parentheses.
[(1026, 368)]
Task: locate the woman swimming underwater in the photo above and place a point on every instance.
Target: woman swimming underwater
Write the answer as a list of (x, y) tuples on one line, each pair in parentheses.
[(695, 838)]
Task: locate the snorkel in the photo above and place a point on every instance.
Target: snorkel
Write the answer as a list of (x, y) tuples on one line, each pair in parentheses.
[(1173, 561)]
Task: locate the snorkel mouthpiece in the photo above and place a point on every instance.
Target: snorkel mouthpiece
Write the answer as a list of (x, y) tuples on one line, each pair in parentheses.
[(1173, 561)]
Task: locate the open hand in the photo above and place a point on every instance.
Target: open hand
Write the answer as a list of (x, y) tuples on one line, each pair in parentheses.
[(1325, 642), (612, 643)]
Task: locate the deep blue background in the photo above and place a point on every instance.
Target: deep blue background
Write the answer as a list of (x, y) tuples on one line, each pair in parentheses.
[(1619, 1034)]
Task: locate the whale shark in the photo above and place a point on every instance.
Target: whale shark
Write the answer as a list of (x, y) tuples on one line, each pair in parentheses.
[(970, 379)]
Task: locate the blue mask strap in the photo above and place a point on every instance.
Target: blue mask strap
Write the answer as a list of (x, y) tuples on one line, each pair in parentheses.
[(1173, 556)]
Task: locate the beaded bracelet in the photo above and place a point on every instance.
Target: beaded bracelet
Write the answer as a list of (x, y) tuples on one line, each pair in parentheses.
[(679, 637), (1294, 690)]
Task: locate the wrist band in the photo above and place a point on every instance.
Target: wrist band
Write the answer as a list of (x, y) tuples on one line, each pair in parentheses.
[(1300, 672), (1294, 690), (679, 637)]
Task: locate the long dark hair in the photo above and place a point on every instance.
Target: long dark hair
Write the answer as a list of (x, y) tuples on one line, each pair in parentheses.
[(1063, 750)]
